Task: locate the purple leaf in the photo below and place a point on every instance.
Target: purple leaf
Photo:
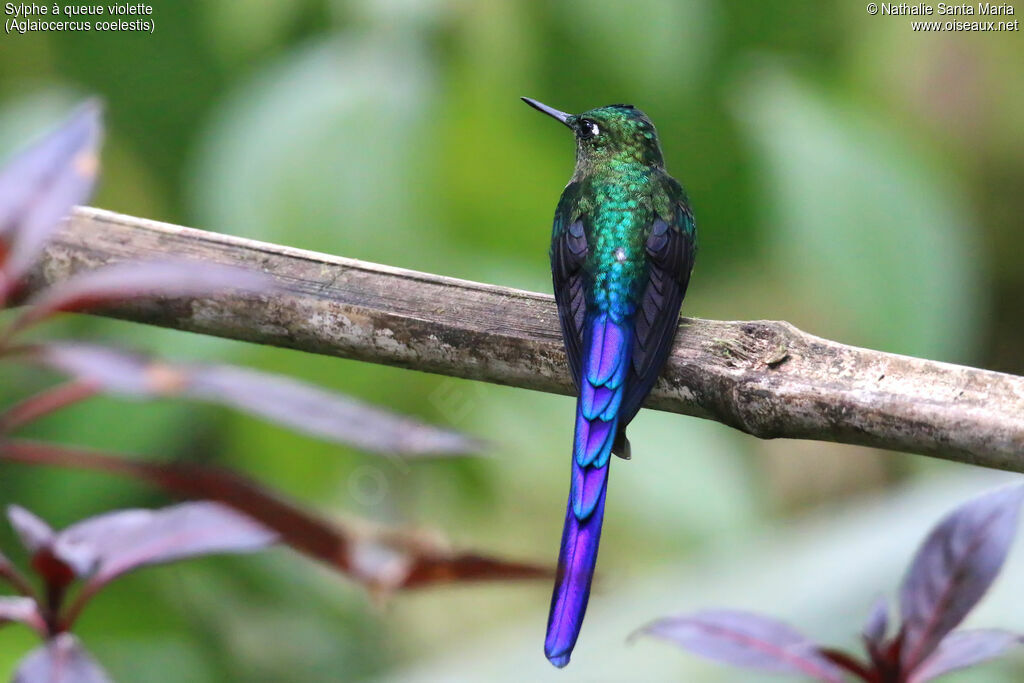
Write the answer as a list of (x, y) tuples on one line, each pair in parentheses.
[(34, 533), (80, 545), (113, 370), (40, 185), (962, 649), (953, 568), (38, 537), (110, 545), (877, 624), (358, 554), (323, 413), (22, 610), (61, 660), (297, 405), (746, 640), (145, 279)]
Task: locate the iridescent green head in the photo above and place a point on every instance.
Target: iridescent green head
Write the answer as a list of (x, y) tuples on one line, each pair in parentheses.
[(617, 132)]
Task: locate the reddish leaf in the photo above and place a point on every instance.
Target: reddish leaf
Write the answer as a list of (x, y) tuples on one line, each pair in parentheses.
[(380, 560), (34, 533), (61, 660), (746, 640), (113, 370), (877, 624), (324, 414), (294, 404), (850, 664), (123, 282), (884, 655), (40, 185), (22, 610), (963, 649), (110, 545), (37, 536), (953, 568), (81, 545)]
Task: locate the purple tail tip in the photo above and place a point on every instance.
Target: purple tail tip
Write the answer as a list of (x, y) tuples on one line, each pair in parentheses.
[(580, 539), (559, 660)]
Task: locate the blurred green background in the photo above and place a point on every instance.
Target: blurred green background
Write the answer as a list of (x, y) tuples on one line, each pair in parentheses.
[(849, 175)]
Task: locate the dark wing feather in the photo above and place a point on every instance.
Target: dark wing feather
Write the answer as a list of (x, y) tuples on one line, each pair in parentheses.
[(671, 247), (568, 252)]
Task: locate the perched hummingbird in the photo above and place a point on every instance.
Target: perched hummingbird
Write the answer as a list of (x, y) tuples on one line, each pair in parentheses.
[(622, 248)]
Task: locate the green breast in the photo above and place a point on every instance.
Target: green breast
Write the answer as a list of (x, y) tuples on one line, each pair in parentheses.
[(621, 213)]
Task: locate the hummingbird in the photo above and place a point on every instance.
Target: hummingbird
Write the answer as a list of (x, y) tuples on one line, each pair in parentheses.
[(622, 248)]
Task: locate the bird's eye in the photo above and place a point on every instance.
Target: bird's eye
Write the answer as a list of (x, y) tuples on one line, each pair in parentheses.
[(588, 129)]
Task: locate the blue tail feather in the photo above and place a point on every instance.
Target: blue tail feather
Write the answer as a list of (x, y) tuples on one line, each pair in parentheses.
[(587, 485), (576, 561), (606, 358), (595, 400), (593, 438)]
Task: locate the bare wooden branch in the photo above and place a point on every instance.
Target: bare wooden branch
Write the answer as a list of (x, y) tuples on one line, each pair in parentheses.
[(765, 378)]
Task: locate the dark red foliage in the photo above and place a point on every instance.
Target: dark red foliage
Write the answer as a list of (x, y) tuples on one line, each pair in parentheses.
[(877, 625), (104, 547), (949, 574), (380, 559), (39, 186), (963, 649), (953, 568), (21, 609), (60, 660), (294, 404), (122, 282), (747, 640), (38, 189), (96, 551)]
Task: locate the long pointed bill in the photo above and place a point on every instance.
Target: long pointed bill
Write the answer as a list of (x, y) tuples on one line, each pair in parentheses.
[(550, 111)]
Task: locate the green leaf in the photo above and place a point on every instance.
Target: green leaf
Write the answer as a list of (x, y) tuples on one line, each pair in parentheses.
[(313, 152), (870, 237)]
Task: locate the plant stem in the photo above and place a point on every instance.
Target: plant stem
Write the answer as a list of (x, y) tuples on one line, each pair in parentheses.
[(55, 593), (850, 664), (46, 402), (10, 573)]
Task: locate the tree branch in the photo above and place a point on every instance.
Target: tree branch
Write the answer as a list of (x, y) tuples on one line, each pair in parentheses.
[(765, 378)]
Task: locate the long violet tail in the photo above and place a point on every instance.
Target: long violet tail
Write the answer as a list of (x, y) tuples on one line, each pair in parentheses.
[(605, 362)]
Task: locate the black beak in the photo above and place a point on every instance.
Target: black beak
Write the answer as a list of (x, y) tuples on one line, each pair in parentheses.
[(550, 111)]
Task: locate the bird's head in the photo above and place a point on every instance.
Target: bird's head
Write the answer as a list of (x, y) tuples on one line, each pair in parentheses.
[(615, 132)]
